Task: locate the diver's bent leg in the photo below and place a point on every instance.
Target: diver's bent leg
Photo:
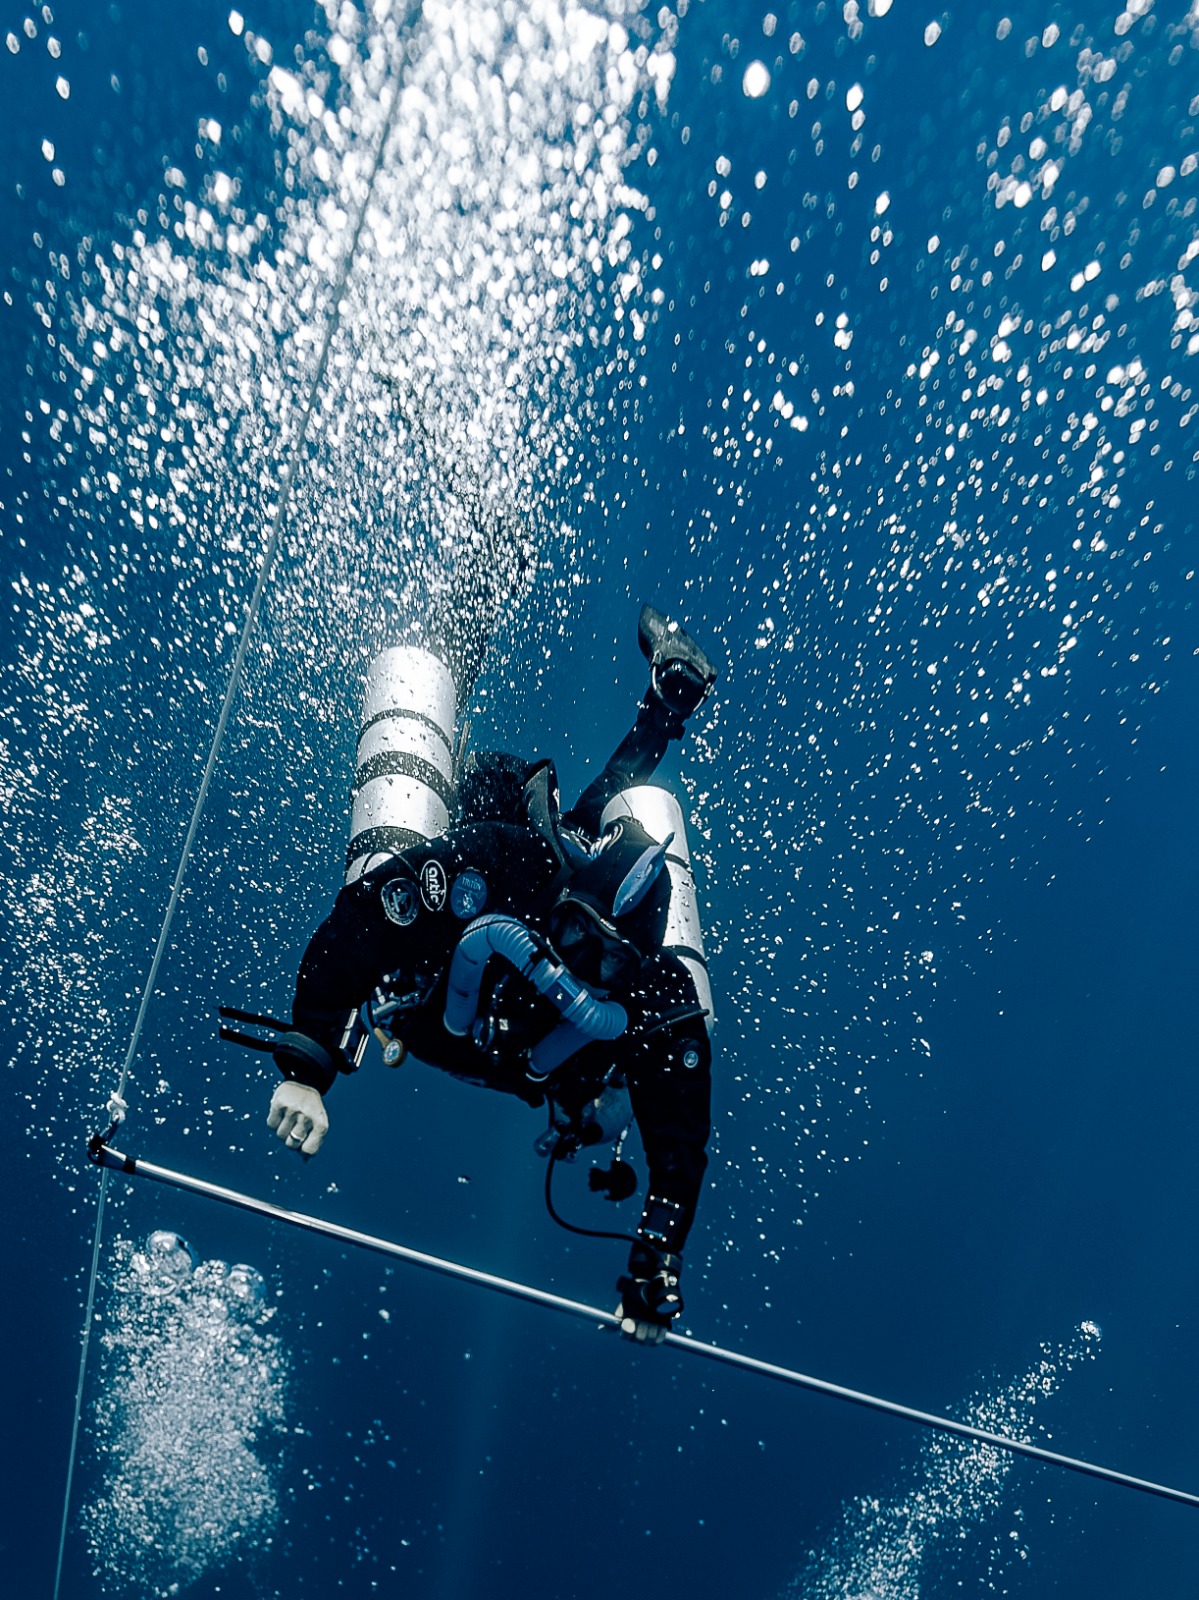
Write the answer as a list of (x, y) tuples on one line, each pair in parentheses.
[(681, 677), (634, 761)]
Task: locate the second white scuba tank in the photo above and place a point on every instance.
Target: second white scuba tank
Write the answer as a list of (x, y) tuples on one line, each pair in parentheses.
[(660, 814), (404, 778)]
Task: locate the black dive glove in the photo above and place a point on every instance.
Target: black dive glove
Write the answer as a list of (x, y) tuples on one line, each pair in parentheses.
[(650, 1298)]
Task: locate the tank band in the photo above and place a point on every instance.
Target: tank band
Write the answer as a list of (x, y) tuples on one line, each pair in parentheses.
[(402, 714), (402, 764), (382, 841)]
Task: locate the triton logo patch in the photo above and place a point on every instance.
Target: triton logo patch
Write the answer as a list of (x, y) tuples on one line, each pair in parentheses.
[(468, 894)]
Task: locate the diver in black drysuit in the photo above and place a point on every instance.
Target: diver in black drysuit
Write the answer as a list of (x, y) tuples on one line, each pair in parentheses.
[(595, 902)]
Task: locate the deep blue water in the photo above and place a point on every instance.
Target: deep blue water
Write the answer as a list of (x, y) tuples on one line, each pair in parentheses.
[(942, 802)]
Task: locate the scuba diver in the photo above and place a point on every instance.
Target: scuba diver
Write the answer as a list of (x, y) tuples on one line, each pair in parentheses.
[(525, 950)]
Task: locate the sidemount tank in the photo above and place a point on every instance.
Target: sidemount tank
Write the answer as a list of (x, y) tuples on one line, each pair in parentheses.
[(660, 814), (404, 777)]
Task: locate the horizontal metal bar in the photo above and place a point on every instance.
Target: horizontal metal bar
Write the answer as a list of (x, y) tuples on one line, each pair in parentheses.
[(103, 1155)]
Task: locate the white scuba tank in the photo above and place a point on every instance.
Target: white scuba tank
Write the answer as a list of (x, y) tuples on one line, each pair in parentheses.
[(660, 814), (404, 777)]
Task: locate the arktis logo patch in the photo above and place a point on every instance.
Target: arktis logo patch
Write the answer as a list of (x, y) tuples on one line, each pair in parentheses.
[(433, 885)]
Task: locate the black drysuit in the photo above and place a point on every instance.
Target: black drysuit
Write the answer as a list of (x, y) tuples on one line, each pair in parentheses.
[(663, 1053)]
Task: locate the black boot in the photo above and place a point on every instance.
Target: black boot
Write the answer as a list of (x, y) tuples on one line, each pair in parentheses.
[(680, 674)]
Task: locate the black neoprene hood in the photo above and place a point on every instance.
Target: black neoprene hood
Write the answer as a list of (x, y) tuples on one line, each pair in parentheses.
[(597, 883)]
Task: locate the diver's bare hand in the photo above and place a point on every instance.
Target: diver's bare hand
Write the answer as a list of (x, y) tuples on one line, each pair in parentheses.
[(299, 1117)]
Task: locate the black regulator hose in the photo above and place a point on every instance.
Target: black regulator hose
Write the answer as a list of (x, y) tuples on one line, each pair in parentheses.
[(590, 1233)]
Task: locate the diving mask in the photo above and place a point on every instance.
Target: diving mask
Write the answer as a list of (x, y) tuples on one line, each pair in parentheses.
[(591, 946)]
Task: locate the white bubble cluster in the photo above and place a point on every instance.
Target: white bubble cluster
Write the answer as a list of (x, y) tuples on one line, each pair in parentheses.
[(66, 911), (499, 253), (882, 1547), (193, 1393)]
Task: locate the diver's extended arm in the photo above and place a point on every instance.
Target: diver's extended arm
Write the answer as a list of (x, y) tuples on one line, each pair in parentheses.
[(670, 1085), (671, 1103), (343, 963), (667, 1062)]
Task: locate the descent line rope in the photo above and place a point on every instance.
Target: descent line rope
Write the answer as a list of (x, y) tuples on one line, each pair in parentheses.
[(265, 571)]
